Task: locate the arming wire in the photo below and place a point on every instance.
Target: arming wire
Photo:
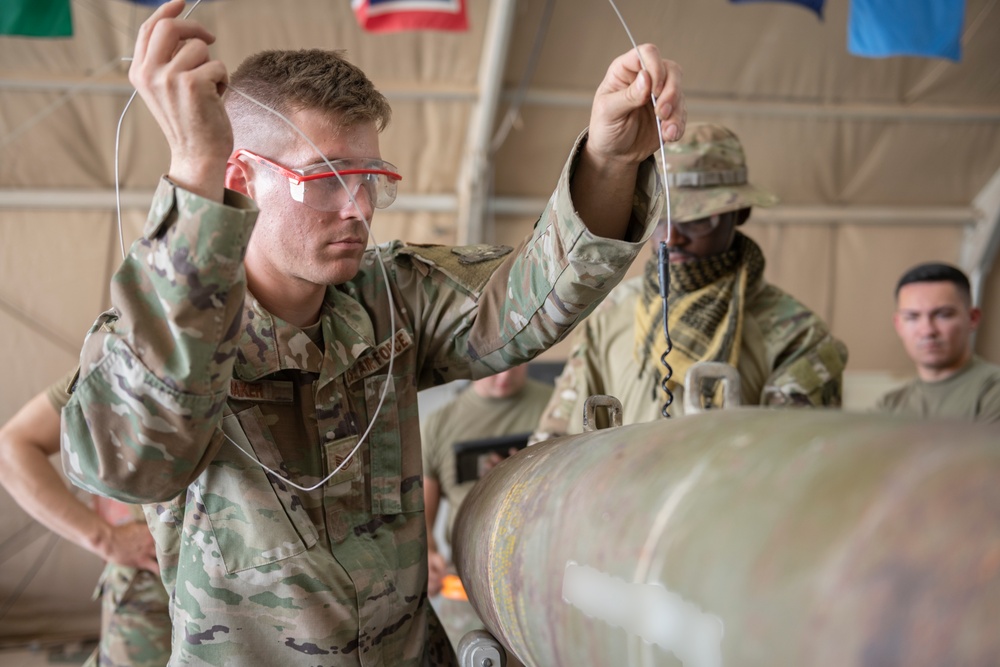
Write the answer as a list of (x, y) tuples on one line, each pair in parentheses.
[(664, 283), (663, 263), (118, 186), (392, 311), (378, 253), (118, 136)]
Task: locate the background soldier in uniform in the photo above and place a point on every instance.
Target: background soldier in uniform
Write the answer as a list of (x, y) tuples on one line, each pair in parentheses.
[(508, 403), (286, 354), (935, 320), (135, 620), (721, 308)]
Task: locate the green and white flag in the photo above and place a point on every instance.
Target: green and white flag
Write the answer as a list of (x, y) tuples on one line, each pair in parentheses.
[(36, 18)]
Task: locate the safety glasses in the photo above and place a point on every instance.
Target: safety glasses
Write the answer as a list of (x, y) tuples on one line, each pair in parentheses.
[(695, 229), (319, 188)]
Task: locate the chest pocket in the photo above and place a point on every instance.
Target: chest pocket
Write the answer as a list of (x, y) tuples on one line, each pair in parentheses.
[(256, 518)]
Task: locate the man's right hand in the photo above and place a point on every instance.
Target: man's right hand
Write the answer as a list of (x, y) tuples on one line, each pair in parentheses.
[(437, 568), (182, 86), (132, 545)]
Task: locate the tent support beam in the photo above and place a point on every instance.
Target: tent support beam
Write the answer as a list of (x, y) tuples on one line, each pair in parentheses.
[(697, 104), (104, 200), (979, 250), (474, 179)]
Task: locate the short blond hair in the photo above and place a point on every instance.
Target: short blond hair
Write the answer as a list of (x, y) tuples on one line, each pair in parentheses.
[(291, 81)]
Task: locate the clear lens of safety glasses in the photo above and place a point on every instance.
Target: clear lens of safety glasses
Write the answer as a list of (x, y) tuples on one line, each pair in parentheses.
[(694, 229), (319, 188)]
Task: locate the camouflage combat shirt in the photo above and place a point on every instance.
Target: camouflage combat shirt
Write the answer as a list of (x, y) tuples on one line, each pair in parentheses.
[(787, 357), (135, 622), (188, 365)]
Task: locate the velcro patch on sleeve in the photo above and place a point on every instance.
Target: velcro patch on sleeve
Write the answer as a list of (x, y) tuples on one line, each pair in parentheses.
[(469, 266)]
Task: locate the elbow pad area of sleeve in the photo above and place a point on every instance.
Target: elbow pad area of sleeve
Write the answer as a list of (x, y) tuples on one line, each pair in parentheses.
[(813, 379), (128, 435)]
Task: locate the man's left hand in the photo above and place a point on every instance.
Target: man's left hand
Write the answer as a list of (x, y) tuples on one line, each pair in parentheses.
[(622, 125), (624, 132)]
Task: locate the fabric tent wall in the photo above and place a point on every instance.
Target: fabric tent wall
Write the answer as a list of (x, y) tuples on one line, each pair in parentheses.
[(46, 583), (877, 162), (828, 132)]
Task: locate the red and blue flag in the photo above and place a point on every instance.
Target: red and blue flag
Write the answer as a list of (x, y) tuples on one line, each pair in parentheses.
[(400, 15)]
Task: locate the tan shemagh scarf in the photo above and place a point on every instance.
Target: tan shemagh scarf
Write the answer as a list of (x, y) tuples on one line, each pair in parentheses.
[(706, 303)]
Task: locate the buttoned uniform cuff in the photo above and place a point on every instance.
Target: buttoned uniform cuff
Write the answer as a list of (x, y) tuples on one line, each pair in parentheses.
[(648, 200), (585, 247), (169, 197)]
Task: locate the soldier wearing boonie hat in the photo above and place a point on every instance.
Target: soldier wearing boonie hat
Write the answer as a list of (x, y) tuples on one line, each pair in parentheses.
[(720, 308), (707, 174)]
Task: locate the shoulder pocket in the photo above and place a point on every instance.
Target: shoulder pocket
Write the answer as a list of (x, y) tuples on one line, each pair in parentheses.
[(468, 266)]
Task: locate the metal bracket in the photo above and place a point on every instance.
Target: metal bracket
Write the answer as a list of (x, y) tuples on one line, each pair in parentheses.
[(613, 405), (478, 648), (707, 371)]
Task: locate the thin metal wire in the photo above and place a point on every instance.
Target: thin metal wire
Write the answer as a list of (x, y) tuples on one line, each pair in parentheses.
[(663, 260), (118, 185), (392, 311), (118, 136), (378, 253)]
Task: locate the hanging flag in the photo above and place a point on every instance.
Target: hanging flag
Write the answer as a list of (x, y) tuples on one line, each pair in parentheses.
[(815, 5), (400, 15), (882, 28), (36, 18), (149, 3)]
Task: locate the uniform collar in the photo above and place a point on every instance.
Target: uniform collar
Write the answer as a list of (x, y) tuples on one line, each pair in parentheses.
[(267, 344)]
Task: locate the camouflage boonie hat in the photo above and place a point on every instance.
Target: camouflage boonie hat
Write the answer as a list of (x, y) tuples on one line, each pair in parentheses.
[(707, 174)]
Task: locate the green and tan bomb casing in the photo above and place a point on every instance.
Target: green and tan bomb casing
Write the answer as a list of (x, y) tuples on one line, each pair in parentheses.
[(743, 537)]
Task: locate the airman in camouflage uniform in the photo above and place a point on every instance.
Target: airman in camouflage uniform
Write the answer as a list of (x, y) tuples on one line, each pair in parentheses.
[(784, 352), (135, 621), (308, 355)]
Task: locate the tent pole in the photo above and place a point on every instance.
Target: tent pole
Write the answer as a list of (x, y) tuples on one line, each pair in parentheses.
[(53, 199), (979, 249), (474, 178)]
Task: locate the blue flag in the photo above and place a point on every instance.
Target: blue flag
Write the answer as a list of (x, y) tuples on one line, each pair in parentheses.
[(814, 5), (882, 28)]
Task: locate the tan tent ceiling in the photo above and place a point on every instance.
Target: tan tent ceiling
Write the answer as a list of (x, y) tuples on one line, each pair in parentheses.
[(878, 162)]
